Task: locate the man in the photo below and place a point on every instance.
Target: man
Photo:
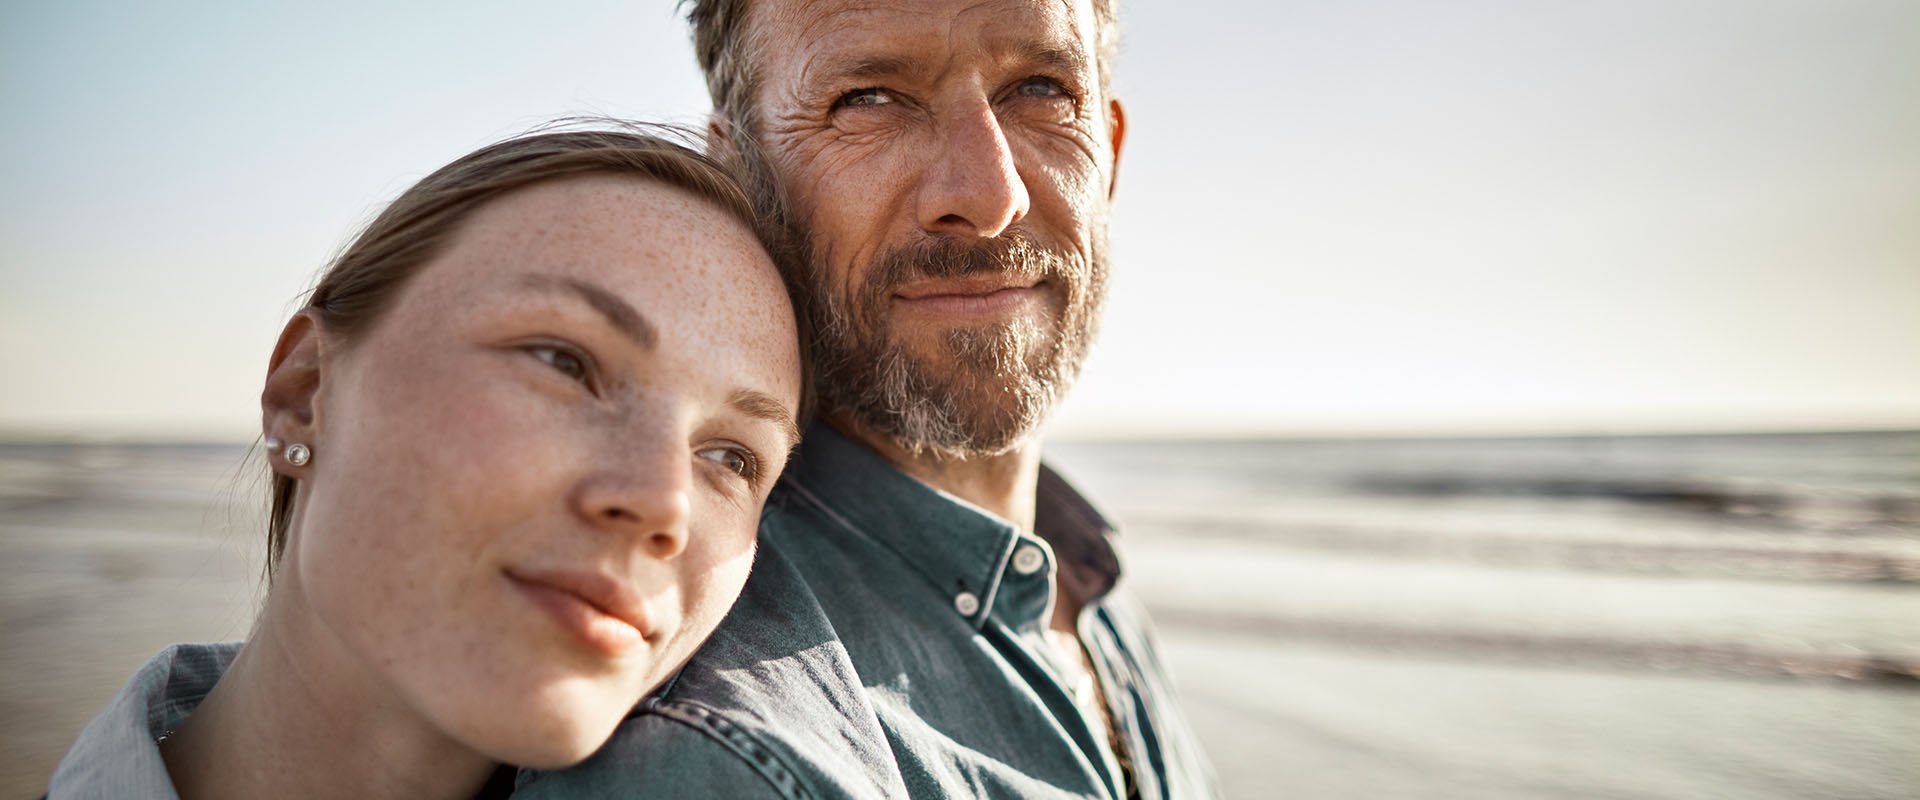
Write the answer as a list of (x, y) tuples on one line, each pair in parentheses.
[(932, 612)]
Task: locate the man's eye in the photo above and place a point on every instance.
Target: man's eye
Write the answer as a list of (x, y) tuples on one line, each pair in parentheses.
[(863, 97), (735, 460), (1040, 87), (567, 363)]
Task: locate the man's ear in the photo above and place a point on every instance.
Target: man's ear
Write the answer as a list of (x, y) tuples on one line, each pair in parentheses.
[(294, 378), (1117, 131)]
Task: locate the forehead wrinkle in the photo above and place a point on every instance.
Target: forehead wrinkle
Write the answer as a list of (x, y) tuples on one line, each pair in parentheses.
[(848, 49), (835, 20), (1056, 45)]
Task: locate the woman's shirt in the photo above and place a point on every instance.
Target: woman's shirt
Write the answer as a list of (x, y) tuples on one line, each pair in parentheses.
[(118, 754)]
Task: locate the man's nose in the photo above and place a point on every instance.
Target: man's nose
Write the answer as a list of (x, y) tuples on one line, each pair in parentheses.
[(641, 490), (971, 186)]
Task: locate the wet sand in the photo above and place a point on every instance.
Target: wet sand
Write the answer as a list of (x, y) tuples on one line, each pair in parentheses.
[(106, 556), (1326, 645)]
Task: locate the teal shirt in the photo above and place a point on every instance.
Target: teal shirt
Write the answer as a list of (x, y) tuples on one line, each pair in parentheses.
[(889, 645), (118, 754)]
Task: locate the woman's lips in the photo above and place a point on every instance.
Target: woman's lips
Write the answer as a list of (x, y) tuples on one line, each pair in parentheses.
[(567, 604)]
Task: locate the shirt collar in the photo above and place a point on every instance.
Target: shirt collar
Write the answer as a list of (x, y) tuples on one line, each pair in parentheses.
[(960, 549), (117, 755), (1080, 536)]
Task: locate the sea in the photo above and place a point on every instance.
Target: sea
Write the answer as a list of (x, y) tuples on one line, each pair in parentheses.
[(1704, 616)]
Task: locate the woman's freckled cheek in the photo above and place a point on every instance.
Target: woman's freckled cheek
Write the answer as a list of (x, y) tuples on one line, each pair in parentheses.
[(437, 400)]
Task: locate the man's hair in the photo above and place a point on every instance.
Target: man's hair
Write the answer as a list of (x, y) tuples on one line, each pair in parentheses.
[(363, 280), (722, 41)]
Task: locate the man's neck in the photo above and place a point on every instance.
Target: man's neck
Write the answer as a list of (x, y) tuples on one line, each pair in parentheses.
[(1005, 485), (288, 721)]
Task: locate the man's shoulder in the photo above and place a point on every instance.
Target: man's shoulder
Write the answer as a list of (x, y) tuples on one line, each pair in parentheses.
[(770, 706), (795, 506), (674, 748), (656, 754)]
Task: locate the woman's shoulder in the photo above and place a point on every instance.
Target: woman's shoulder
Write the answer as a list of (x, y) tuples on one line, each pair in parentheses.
[(117, 754)]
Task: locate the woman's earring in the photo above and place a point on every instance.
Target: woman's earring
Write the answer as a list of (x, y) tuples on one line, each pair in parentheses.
[(273, 444), (298, 454)]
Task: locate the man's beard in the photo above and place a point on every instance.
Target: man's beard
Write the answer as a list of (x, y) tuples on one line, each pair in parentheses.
[(997, 384)]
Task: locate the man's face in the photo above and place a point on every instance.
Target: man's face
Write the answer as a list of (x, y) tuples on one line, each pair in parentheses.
[(947, 164)]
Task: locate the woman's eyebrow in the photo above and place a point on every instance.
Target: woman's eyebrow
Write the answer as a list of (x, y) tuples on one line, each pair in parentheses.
[(619, 313), (759, 405)]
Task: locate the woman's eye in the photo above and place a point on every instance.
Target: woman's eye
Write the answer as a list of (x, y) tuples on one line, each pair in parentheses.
[(567, 363), (863, 97), (735, 460)]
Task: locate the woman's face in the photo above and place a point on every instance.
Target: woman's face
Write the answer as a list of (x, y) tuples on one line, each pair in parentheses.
[(536, 479)]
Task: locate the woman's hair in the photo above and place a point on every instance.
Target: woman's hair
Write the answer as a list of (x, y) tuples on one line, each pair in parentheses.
[(362, 282)]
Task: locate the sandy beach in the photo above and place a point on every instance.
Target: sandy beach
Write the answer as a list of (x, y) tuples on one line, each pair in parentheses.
[(1329, 642)]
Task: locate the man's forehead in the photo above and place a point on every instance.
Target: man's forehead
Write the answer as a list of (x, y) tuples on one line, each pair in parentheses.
[(853, 24)]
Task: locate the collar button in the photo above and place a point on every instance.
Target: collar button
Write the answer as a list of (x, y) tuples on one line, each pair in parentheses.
[(1028, 559)]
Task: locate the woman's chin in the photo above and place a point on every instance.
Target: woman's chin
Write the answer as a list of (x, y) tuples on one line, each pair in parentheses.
[(550, 755), (556, 733)]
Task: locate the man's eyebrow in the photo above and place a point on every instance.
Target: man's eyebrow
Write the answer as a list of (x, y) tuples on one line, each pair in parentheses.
[(619, 313), (1064, 58), (861, 67), (759, 406), (1069, 59)]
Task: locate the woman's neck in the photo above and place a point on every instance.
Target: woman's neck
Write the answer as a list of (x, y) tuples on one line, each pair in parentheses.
[(297, 716)]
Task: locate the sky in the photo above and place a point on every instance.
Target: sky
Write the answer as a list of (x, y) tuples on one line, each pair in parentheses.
[(1352, 218)]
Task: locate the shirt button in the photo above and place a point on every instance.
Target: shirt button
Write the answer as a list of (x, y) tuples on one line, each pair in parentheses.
[(1028, 559), (966, 603)]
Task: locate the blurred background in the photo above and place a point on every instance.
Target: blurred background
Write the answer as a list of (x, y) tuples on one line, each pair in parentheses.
[(1501, 400)]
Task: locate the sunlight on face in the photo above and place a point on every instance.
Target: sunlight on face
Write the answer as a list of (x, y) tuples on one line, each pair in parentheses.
[(949, 164), (539, 474)]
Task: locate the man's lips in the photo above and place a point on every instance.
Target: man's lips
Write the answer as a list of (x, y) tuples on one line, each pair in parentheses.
[(990, 294), (603, 612)]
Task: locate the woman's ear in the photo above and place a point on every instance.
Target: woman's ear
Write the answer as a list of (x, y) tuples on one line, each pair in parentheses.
[(287, 404)]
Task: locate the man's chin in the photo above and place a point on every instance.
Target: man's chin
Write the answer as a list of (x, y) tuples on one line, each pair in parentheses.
[(951, 391), (958, 409), (976, 436)]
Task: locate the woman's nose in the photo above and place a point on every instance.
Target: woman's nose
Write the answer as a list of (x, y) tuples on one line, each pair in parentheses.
[(642, 494)]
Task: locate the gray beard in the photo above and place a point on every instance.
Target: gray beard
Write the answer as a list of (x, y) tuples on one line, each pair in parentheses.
[(995, 386)]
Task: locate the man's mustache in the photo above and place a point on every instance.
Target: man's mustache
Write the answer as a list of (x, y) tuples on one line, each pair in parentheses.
[(1012, 253)]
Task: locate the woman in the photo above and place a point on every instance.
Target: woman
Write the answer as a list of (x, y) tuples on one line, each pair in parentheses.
[(520, 439)]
